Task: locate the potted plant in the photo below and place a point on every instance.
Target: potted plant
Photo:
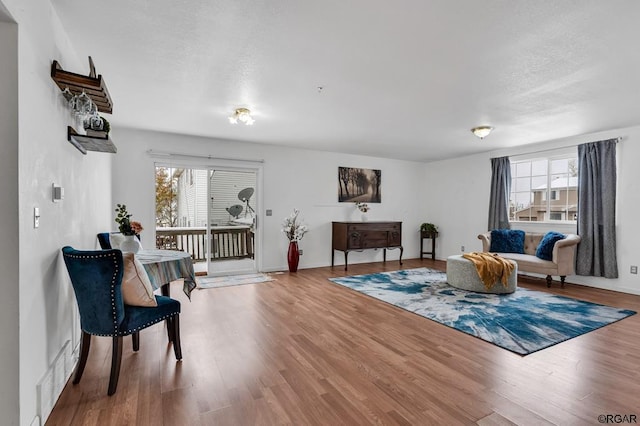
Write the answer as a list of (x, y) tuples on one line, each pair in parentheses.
[(364, 208), (97, 126), (129, 228), (429, 230)]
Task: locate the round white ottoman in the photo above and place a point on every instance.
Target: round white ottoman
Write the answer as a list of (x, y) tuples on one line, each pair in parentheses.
[(462, 273)]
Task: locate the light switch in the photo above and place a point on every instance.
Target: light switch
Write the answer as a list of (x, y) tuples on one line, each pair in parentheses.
[(36, 217), (57, 193)]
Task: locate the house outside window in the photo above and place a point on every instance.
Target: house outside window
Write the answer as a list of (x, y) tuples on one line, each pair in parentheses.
[(544, 189), (554, 194)]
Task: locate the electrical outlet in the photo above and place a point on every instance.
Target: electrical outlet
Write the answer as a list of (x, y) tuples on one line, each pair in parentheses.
[(462, 249), (301, 252), (634, 269)]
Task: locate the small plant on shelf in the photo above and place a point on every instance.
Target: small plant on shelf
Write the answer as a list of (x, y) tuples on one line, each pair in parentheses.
[(429, 228), (106, 127), (97, 125)]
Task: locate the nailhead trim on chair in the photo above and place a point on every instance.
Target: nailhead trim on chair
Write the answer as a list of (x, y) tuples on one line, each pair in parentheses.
[(113, 299), (113, 292)]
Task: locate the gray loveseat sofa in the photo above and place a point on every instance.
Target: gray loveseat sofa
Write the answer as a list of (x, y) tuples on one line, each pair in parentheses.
[(561, 264)]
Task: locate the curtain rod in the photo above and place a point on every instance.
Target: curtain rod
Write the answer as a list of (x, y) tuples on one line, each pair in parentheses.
[(162, 154), (618, 139)]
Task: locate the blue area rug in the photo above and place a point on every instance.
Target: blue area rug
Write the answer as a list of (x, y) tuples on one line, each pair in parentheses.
[(522, 322)]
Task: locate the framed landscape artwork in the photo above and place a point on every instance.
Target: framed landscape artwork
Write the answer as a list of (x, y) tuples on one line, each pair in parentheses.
[(361, 185)]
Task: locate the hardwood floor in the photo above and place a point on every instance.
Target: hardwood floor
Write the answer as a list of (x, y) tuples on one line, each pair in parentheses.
[(304, 351)]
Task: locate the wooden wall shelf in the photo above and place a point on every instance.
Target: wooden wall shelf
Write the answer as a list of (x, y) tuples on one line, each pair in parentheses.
[(86, 143), (93, 85)]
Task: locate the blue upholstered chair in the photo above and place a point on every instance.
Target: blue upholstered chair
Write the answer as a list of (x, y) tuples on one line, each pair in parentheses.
[(103, 239), (97, 280)]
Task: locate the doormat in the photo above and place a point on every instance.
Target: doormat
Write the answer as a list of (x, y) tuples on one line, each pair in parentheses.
[(230, 280)]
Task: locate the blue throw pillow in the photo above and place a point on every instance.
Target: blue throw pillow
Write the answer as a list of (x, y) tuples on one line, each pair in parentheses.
[(507, 241), (545, 248)]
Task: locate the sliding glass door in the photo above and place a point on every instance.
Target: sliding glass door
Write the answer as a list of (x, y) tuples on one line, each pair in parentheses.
[(210, 213)]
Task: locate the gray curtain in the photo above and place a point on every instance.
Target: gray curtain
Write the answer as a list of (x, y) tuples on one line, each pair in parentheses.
[(596, 255), (499, 198)]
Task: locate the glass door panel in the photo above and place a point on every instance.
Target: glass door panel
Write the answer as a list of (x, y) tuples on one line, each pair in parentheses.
[(232, 213), (181, 212)]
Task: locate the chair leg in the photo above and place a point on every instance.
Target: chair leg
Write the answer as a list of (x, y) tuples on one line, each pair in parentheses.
[(116, 358), (85, 343), (165, 290), (548, 280), (169, 326), (562, 280), (135, 338), (177, 349)]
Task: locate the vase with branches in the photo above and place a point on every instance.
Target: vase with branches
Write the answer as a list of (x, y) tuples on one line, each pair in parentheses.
[(294, 229)]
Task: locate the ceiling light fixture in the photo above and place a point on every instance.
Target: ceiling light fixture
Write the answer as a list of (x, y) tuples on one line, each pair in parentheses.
[(243, 115), (482, 131)]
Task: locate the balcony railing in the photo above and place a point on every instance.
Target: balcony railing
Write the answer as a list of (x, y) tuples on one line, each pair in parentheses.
[(228, 242)]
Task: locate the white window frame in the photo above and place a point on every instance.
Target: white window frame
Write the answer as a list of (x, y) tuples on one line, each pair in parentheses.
[(549, 156)]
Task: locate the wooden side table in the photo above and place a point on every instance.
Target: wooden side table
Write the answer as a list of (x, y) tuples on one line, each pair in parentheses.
[(428, 235)]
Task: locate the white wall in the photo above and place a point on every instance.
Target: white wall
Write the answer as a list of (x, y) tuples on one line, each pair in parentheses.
[(303, 179), (46, 303), (9, 324), (456, 200), (459, 203)]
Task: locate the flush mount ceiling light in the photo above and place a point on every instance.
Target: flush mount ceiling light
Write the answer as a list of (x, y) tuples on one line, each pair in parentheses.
[(243, 115), (482, 131)]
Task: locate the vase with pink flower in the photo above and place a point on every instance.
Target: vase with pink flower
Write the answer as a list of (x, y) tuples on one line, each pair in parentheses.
[(130, 229)]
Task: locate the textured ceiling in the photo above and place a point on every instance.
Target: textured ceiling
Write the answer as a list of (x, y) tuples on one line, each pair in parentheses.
[(404, 79)]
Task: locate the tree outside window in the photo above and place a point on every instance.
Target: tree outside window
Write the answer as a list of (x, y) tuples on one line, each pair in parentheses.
[(166, 197)]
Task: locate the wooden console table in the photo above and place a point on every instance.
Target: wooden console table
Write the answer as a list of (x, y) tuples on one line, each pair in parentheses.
[(359, 236)]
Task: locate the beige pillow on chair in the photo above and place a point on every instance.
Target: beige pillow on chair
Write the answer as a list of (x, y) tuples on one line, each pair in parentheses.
[(136, 286)]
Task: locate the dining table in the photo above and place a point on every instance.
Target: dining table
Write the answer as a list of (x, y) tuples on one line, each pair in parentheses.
[(165, 266)]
